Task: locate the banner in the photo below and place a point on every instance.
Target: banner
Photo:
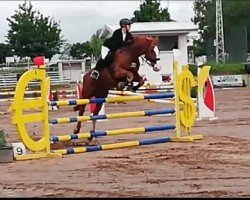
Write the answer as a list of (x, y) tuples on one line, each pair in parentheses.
[(227, 81)]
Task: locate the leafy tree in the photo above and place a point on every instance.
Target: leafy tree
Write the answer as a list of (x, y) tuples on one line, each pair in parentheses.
[(32, 34), (88, 48), (150, 11), (5, 51), (96, 44), (234, 13), (81, 50), (205, 18), (65, 51)]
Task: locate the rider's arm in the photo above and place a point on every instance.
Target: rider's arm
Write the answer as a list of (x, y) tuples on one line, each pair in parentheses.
[(111, 42), (116, 39)]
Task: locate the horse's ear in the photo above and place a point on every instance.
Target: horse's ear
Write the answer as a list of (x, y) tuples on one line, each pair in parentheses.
[(149, 38), (154, 40)]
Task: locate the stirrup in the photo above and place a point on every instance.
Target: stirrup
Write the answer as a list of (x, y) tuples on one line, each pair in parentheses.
[(133, 65), (94, 74)]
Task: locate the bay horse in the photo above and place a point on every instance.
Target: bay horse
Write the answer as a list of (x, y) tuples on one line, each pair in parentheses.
[(119, 72)]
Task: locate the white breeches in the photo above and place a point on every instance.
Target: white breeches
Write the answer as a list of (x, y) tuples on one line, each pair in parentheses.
[(104, 51)]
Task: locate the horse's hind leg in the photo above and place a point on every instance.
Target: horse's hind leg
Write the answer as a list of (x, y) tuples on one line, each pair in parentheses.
[(81, 112), (87, 93), (98, 107)]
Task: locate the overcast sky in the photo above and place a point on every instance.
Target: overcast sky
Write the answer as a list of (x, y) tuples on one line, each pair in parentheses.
[(79, 20)]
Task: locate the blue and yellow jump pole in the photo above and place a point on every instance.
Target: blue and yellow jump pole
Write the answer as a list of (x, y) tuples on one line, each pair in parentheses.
[(137, 130), (112, 146), (111, 116), (72, 102)]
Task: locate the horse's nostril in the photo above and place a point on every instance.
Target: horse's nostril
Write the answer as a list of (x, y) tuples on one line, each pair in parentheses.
[(157, 68)]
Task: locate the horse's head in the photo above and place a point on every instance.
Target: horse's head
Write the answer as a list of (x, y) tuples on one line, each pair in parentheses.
[(149, 45), (152, 54)]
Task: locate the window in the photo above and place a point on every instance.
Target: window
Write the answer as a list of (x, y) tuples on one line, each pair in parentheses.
[(168, 43)]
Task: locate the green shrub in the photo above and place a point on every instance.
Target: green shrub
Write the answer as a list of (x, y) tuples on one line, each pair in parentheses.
[(3, 141), (194, 92), (227, 69), (193, 69)]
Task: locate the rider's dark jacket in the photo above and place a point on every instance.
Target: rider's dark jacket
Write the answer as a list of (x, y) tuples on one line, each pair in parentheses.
[(116, 40), (114, 43)]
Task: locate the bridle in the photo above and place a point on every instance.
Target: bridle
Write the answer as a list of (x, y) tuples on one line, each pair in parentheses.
[(149, 62)]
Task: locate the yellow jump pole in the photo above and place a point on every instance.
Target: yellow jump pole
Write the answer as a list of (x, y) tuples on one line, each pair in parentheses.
[(177, 102)]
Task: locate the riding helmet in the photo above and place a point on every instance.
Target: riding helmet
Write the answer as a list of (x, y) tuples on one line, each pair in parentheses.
[(125, 21)]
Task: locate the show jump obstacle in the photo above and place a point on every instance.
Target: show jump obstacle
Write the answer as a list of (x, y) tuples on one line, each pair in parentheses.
[(184, 111)]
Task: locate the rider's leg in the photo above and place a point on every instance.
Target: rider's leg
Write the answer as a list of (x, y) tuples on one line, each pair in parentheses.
[(100, 63), (98, 67)]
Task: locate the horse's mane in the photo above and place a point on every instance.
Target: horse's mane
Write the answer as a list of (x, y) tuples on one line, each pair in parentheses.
[(127, 44)]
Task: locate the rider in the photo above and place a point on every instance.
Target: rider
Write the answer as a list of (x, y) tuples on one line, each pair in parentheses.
[(110, 46)]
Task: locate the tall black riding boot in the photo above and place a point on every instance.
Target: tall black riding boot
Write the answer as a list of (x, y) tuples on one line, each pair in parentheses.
[(98, 67)]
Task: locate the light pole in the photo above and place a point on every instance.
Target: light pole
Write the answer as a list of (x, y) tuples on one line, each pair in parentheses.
[(220, 49)]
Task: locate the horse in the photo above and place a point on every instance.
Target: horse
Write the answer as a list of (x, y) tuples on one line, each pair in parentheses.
[(119, 72)]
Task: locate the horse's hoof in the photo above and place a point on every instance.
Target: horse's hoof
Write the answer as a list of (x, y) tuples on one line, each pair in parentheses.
[(93, 142), (129, 79), (76, 131), (121, 85), (133, 89)]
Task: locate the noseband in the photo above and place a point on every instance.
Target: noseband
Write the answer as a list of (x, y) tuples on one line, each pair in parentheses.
[(150, 63)]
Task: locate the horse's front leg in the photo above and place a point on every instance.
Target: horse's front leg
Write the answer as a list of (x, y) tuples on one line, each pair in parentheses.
[(140, 80), (121, 74), (93, 125)]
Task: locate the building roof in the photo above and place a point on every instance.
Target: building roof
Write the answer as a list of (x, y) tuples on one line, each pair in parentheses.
[(154, 28)]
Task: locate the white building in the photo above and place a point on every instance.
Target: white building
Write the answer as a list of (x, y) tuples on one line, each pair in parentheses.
[(172, 35)]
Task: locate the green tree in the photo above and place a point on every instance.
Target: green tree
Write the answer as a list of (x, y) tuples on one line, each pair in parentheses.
[(150, 11), (235, 16), (96, 44), (32, 34), (236, 12), (204, 18), (5, 51), (66, 51), (88, 48), (81, 50)]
